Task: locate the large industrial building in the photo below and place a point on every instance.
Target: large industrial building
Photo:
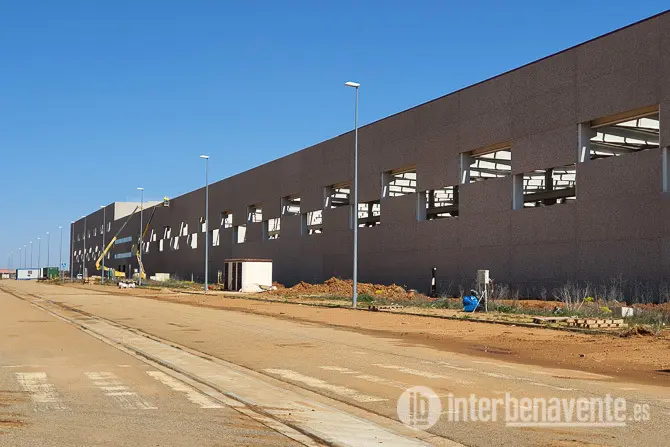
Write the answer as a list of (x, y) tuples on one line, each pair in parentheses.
[(555, 171)]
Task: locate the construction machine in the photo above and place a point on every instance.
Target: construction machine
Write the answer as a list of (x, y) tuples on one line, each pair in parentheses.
[(140, 241), (108, 271)]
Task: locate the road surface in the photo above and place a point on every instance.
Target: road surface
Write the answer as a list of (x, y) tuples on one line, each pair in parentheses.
[(92, 368)]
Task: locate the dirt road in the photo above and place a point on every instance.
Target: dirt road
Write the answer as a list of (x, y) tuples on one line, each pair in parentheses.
[(368, 370)]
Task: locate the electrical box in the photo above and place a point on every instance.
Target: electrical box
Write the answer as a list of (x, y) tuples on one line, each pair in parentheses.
[(482, 277), (247, 275)]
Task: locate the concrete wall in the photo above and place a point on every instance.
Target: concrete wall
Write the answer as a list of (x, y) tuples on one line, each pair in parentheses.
[(619, 223)]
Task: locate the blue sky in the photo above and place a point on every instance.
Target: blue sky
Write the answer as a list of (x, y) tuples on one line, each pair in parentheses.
[(97, 98)]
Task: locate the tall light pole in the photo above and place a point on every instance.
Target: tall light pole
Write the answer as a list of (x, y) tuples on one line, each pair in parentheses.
[(71, 251), (354, 297), (60, 255), (25, 256), (206, 158), (104, 229), (39, 254), (141, 224), (48, 248), (31, 254), (83, 258), (19, 263)]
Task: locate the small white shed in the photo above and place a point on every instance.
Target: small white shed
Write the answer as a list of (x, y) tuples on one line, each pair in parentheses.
[(247, 275)]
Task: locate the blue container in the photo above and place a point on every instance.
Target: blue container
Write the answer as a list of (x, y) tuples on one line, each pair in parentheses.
[(470, 303)]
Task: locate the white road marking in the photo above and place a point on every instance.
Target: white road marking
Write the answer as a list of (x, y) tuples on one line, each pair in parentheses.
[(628, 389), (414, 372), (546, 385), (368, 377), (192, 394), (44, 394), (318, 383), (112, 387), (22, 366)]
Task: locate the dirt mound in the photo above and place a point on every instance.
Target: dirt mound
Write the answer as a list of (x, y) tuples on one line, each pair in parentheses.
[(342, 287), (637, 331)]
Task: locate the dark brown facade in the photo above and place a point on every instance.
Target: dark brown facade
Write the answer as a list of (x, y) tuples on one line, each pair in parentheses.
[(600, 109)]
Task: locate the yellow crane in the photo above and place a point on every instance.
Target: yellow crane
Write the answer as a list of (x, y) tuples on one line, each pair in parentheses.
[(106, 269), (142, 273)]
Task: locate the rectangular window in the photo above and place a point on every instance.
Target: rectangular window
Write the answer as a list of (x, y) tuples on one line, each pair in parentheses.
[(123, 255), (109, 227), (192, 240), (254, 214), (215, 237), (486, 163), (226, 219), (174, 243), (626, 133), (337, 195), (369, 214), (167, 232), (271, 228), (399, 182), (441, 203), (239, 234), (290, 206), (203, 225), (183, 229), (312, 222), (549, 186)]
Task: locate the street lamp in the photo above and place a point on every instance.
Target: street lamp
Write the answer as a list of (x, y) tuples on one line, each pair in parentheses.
[(104, 228), (39, 254), (71, 251), (31, 254), (25, 256), (60, 254), (141, 224), (206, 158), (48, 248), (354, 297), (83, 258)]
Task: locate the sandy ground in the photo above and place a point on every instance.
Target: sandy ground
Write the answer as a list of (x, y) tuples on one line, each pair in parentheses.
[(635, 359)]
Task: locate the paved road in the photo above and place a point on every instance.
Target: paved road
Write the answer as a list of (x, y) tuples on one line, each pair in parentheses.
[(61, 387), (353, 374)]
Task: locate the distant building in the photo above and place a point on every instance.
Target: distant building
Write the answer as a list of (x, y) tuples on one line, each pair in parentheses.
[(7, 274)]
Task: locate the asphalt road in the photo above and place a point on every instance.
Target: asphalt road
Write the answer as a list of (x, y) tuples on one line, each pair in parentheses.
[(348, 373), (61, 387)]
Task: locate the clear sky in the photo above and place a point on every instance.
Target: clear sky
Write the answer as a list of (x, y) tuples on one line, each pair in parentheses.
[(98, 98)]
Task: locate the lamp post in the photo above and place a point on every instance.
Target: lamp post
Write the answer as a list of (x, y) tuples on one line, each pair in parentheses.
[(83, 258), (31, 254), (60, 254), (48, 248), (104, 228), (71, 251), (39, 254), (141, 224), (354, 297), (25, 256), (206, 158), (19, 263)]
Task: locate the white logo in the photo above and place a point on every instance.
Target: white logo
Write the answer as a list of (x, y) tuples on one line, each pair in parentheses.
[(419, 407)]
